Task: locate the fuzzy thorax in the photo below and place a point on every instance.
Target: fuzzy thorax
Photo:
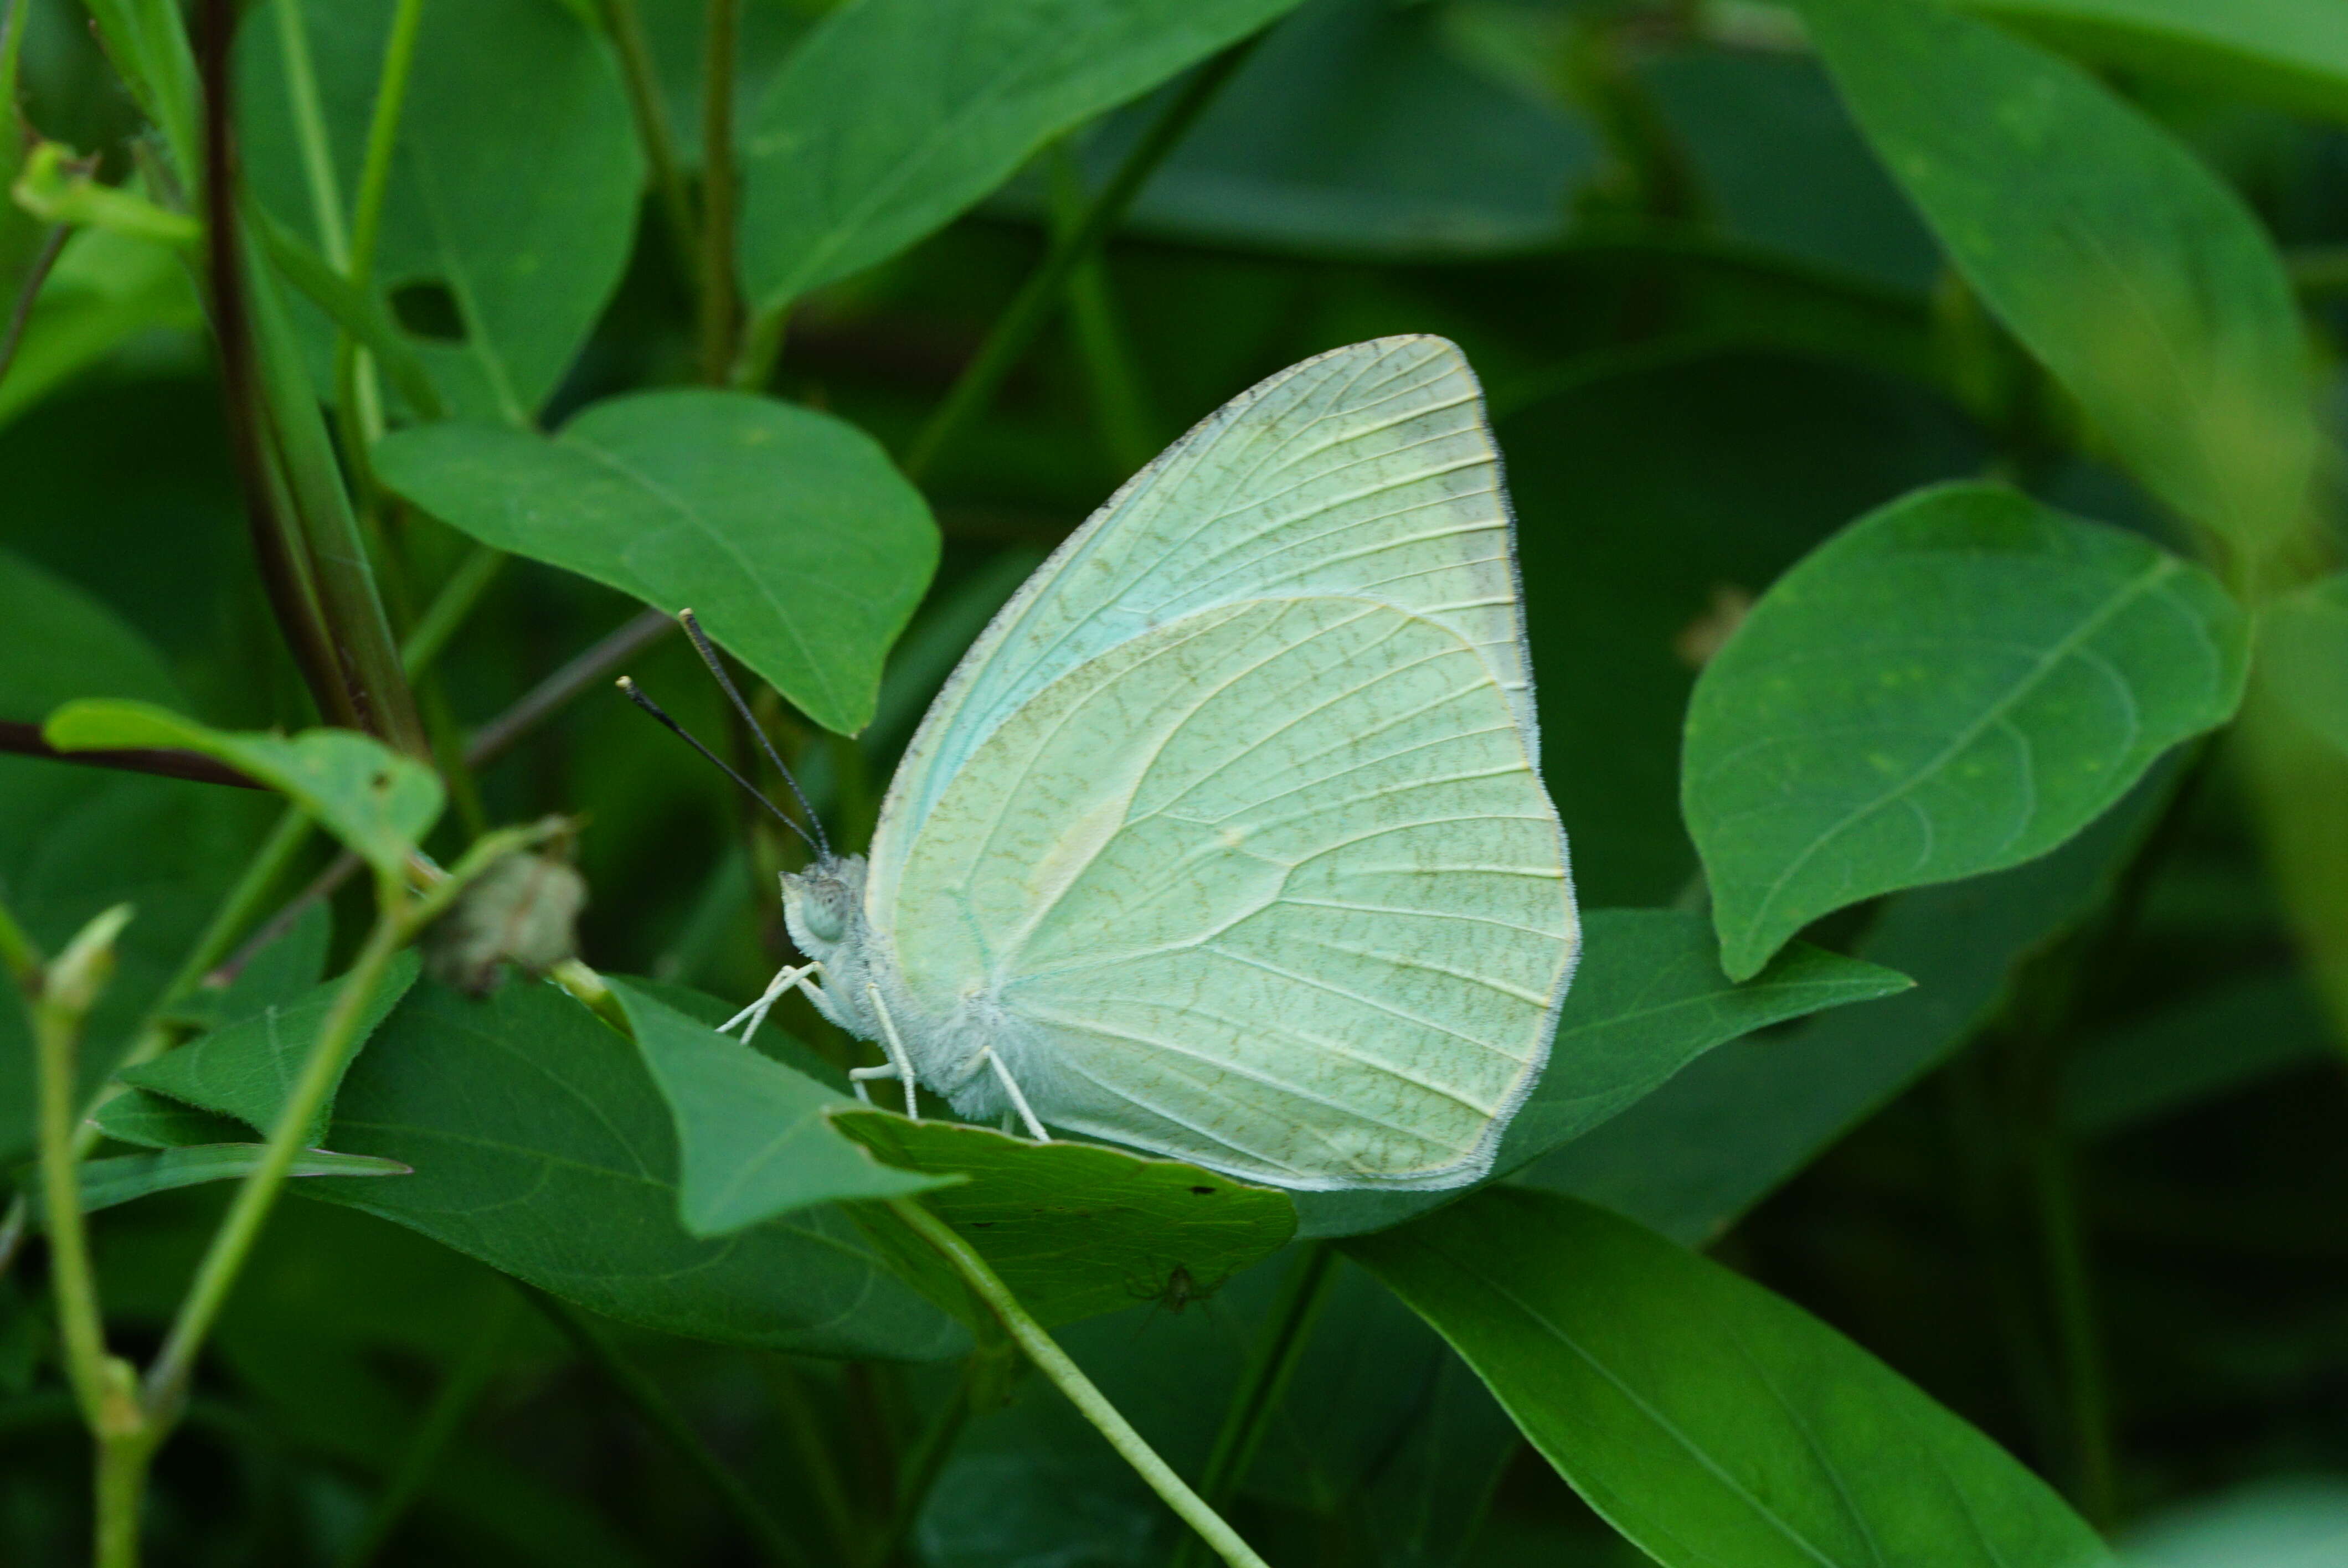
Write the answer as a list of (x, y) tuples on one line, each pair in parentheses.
[(823, 909)]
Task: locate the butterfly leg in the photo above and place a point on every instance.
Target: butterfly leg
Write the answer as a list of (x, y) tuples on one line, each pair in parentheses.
[(758, 1011), (898, 1060), (1011, 1087), (858, 1076)]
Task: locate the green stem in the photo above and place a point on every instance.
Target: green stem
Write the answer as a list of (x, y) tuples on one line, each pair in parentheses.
[(2096, 1484), (1070, 1380), (57, 1005), (1265, 1380), (174, 1366), (156, 1035), (920, 1471), (813, 1449), (1118, 403), (633, 1385), (448, 609), (642, 80), (358, 398), (310, 137), (28, 293), (443, 1419), (720, 311), (122, 1487), (1017, 326)]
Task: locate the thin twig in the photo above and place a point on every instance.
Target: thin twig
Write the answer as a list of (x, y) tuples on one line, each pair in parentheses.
[(643, 79), (1016, 327), (632, 637), (1065, 1374), (720, 312), (636, 1386), (21, 315), (24, 741)]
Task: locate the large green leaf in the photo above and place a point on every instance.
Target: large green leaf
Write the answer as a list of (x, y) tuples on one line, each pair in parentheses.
[(541, 1147), (2142, 283), (1952, 685), (374, 799), (1073, 1229), (787, 531), (752, 1138), (1693, 1156), (513, 197), (895, 116), (1706, 1418), (2292, 54), (246, 1069), (2304, 656), (1647, 999)]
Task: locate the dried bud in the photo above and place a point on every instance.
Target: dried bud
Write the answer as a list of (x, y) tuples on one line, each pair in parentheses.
[(524, 910)]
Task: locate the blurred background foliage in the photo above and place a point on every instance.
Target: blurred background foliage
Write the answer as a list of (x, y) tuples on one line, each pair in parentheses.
[(1712, 332)]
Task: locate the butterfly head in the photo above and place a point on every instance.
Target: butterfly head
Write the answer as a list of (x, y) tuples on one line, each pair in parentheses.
[(823, 907)]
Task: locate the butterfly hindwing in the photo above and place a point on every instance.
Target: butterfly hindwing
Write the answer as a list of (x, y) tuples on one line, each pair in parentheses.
[(1273, 886)]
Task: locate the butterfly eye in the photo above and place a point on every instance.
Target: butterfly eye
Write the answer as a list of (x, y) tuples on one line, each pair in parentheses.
[(823, 920)]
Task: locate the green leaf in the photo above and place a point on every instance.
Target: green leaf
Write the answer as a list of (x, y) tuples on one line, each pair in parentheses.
[(247, 1069), (1647, 999), (2141, 281), (752, 1138), (2304, 656), (74, 841), (104, 290), (2291, 54), (1069, 1226), (1706, 1418), (541, 1147), (119, 1179), (354, 311), (1361, 130), (1954, 684), (2225, 1040), (895, 116), (374, 799), (276, 975), (513, 197), (1693, 1156), (787, 531), (159, 1121)]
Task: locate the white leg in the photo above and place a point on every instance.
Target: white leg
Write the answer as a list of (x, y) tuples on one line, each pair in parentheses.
[(858, 1076), (896, 1050), (758, 1011), (1011, 1087)]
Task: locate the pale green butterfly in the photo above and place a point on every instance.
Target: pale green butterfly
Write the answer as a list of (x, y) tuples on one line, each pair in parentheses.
[(1226, 840)]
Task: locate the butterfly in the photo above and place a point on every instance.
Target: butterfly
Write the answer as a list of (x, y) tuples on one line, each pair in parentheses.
[(1227, 840)]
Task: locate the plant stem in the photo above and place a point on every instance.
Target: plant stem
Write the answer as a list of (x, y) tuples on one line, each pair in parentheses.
[(443, 1419), (20, 315), (633, 1385), (2095, 1485), (1261, 1387), (652, 125), (632, 637), (920, 1471), (57, 1005), (448, 609), (1118, 403), (310, 134), (1016, 327), (1065, 1374), (357, 395), (720, 187), (122, 1487), (168, 1379)]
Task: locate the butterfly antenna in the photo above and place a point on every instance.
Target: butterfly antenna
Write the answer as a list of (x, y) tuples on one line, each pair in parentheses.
[(684, 617), (636, 696)]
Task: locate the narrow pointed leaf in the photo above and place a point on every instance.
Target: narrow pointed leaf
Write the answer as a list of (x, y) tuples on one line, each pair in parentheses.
[(123, 1177)]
